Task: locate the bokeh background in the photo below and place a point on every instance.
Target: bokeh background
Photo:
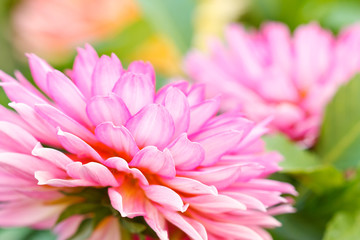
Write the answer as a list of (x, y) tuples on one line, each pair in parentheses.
[(160, 31)]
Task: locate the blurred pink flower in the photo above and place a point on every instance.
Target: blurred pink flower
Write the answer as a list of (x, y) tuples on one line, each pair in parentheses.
[(271, 73), (164, 155), (52, 28)]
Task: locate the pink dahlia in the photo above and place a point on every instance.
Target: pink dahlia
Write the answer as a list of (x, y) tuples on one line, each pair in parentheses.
[(271, 73), (103, 135)]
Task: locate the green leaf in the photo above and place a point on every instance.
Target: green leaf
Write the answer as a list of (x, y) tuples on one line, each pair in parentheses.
[(321, 179), (76, 209), (339, 138), (132, 226), (344, 226), (172, 18), (84, 230), (296, 160)]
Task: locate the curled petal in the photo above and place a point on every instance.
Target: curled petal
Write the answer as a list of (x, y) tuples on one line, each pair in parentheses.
[(107, 109), (129, 202), (93, 172), (136, 90), (106, 73), (144, 68), (155, 161), (187, 155), (118, 138), (153, 125), (201, 113), (39, 70), (165, 197)]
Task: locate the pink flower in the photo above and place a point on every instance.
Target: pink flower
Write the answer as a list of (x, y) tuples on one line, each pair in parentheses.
[(164, 156), (270, 73), (52, 28)]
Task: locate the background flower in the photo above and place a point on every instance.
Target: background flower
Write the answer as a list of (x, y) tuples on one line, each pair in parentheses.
[(271, 73), (162, 156)]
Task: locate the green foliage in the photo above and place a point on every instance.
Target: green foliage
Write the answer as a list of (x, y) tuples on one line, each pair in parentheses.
[(332, 14), (296, 160), (344, 226), (26, 234), (172, 18), (339, 138)]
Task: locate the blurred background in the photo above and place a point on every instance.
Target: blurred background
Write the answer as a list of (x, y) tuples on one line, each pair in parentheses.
[(160, 31)]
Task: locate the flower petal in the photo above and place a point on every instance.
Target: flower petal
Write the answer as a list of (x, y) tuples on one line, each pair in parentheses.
[(16, 139), (52, 155), (155, 161), (187, 155), (177, 105), (58, 119), (129, 202), (118, 138), (189, 186), (39, 70), (144, 68), (107, 109), (83, 68), (92, 171), (214, 204), (136, 90), (165, 197), (106, 73), (201, 113), (65, 93), (219, 144), (77, 146), (153, 125)]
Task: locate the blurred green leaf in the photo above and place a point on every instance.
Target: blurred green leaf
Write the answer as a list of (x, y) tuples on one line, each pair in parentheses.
[(172, 18), (76, 209), (127, 40), (339, 138), (296, 160), (332, 14), (297, 226), (344, 226), (321, 179), (26, 234)]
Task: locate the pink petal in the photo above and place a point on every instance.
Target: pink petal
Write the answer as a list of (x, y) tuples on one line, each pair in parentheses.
[(92, 171), (129, 203), (196, 94), (16, 139), (181, 85), (50, 179), (136, 90), (117, 138), (64, 92), (77, 146), (83, 68), (187, 155), (165, 197), (144, 68), (219, 144), (156, 221), (17, 93), (214, 204), (220, 177), (52, 155), (106, 73), (122, 166), (28, 212), (249, 201), (201, 113), (58, 119), (191, 227), (40, 129), (155, 161), (10, 116), (153, 125), (189, 186), (24, 165), (177, 105), (39, 70), (107, 109)]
